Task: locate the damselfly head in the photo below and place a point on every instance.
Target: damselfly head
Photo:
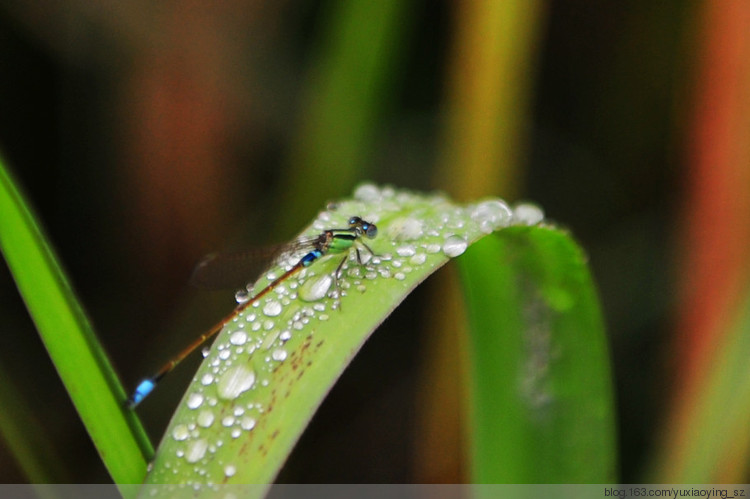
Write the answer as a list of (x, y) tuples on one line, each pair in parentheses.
[(363, 227)]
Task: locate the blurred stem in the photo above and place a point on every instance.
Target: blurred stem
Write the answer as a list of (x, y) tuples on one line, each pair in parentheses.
[(489, 79), (489, 83), (358, 54), (26, 438), (717, 240)]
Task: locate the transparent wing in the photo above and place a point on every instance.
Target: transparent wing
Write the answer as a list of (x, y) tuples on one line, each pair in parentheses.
[(234, 269)]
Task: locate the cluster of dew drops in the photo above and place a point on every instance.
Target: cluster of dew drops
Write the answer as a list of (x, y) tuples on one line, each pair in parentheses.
[(435, 226)]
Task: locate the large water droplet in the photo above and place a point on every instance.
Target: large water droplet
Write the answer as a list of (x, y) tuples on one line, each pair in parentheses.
[(238, 338), (180, 432), (247, 423), (418, 259), (406, 250), (272, 308), (368, 193), (527, 214), (491, 215), (405, 229), (279, 354), (432, 248), (195, 400), (230, 470), (316, 289), (454, 246), (205, 418), (242, 296), (235, 381), (196, 450)]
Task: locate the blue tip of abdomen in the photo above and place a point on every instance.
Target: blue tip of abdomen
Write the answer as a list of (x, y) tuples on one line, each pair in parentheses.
[(141, 392)]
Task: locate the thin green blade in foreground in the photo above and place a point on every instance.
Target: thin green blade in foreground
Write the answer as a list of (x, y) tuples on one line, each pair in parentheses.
[(269, 371), (541, 395), (69, 339)]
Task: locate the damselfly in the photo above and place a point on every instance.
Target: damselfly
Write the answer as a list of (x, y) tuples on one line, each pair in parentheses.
[(330, 241)]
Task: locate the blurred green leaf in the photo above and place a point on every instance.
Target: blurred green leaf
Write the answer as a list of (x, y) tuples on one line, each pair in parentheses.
[(358, 52), (69, 338), (541, 395)]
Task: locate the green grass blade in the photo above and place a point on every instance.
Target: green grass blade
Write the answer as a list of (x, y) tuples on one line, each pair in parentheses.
[(69, 339), (268, 372), (541, 395)]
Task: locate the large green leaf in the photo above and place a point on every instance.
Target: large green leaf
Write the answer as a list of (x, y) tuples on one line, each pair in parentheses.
[(269, 370)]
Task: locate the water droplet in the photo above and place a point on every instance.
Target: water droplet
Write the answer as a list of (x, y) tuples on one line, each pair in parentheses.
[(247, 423), (207, 379), (225, 354), (418, 259), (238, 411), (454, 246), (227, 421), (323, 317), (432, 248), (236, 433), (180, 432), (196, 450), (205, 351), (235, 381), (268, 325), (241, 296), (205, 418), (238, 338), (399, 276), (491, 215), (316, 289), (285, 335), (527, 214), (407, 250), (272, 308), (405, 229), (368, 193), (279, 354), (229, 470), (194, 400)]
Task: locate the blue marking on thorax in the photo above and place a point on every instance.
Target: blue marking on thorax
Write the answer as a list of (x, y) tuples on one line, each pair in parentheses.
[(309, 258)]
